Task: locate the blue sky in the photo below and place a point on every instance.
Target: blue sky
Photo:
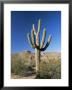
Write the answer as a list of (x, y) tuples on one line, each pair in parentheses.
[(21, 24)]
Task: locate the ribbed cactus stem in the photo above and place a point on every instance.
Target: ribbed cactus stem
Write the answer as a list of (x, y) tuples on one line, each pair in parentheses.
[(30, 41), (37, 58), (49, 38), (39, 25), (47, 44), (32, 38), (33, 27), (37, 39), (43, 38)]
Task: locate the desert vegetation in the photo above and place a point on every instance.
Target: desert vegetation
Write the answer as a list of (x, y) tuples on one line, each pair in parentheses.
[(23, 65)]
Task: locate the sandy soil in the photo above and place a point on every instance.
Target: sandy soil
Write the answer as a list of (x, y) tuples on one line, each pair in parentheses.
[(19, 77)]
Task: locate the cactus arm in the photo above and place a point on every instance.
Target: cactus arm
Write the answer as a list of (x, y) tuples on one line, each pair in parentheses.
[(33, 37), (37, 39), (43, 38), (30, 41), (33, 27), (47, 44), (39, 25), (43, 49), (37, 35), (49, 38)]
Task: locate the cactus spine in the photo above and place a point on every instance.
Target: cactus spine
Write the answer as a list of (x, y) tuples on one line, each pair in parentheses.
[(34, 41)]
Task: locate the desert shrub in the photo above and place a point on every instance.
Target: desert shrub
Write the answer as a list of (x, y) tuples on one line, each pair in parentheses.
[(19, 67), (51, 70), (57, 72)]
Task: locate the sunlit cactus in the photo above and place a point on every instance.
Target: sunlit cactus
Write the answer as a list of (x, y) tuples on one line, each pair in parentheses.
[(34, 40)]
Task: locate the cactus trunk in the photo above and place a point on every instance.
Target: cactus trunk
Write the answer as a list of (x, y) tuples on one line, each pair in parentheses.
[(37, 58)]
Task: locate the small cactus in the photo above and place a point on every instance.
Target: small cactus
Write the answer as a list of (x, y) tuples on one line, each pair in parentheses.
[(34, 41)]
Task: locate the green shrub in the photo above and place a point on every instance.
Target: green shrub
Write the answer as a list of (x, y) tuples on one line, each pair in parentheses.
[(19, 67), (50, 70)]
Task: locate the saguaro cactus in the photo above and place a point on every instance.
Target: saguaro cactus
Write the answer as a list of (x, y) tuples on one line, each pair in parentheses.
[(34, 41)]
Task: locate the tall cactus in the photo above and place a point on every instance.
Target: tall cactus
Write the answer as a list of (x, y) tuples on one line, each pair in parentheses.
[(34, 41)]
